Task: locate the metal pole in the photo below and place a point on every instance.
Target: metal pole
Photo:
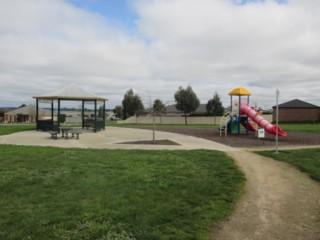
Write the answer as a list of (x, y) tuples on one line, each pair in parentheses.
[(58, 113), (37, 113), (154, 126), (82, 113), (95, 115), (277, 119), (104, 115)]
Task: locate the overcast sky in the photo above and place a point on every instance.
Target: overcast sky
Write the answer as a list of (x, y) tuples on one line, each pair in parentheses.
[(155, 46)]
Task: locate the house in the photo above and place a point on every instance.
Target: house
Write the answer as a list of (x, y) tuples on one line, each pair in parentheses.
[(3, 110), (297, 111), (25, 114)]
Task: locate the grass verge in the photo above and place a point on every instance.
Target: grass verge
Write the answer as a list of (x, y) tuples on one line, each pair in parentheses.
[(6, 129), (288, 127), (157, 126), (307, 160), (300, 127), (53, 193)]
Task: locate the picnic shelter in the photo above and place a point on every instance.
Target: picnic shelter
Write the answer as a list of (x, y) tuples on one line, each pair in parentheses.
[(71, 92)]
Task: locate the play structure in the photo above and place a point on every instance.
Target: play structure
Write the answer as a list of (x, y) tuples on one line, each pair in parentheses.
[(241, 114)]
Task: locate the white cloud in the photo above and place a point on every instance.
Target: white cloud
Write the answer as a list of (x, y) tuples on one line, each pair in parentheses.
[(212, 45), (261, 46)]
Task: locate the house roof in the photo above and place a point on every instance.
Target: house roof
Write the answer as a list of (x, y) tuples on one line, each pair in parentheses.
[(296, 103), (26, 110), (172, 109), (70, 92), (6, 109)]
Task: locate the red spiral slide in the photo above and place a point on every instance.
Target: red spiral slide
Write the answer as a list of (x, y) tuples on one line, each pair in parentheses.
[(268, 127)]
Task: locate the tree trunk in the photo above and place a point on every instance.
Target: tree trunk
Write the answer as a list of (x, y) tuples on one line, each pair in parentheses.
[(185, 119)]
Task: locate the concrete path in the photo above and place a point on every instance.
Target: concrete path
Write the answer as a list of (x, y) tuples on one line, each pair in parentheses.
[(280, 202), (111, 139)]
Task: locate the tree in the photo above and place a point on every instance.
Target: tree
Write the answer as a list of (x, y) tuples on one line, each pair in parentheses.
[(158, 106), (214, 106), (118, 111), (187, 101), (62, 118), (101, 112), (131, 104)]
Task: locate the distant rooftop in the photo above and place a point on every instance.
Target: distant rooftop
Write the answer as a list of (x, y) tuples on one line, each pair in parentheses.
[(172, 109), (26, 110), (296, 103)]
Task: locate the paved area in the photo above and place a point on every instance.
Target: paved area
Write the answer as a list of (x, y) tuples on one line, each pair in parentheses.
[(111, 139)]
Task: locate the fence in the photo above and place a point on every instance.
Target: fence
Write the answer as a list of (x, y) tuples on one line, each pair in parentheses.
[(178, 120)]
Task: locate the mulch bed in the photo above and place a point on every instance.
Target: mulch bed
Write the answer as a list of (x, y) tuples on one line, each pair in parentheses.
[(155, 142), (250, 140)]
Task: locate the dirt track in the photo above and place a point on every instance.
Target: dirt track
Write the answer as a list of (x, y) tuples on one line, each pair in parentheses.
[(280, 202)]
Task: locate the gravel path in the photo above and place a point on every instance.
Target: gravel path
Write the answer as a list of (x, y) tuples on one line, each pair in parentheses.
[(280, 202)]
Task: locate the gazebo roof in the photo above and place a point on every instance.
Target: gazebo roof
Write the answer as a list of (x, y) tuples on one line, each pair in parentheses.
[(240, 92), (70, 92)]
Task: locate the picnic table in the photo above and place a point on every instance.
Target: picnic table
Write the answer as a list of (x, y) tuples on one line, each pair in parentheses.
[(65, 133), (75, 132), (54, 134)]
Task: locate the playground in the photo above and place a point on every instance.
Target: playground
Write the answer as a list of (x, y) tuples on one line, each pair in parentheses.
[(279, 202), (242, 114), (250, 141), (244, 127)]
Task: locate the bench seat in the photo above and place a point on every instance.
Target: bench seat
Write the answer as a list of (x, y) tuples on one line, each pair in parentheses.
[(54, 134)]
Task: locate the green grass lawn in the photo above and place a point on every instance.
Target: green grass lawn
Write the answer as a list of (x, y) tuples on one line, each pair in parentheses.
[(307, 160), (12, 128), (114, 124), (288, 127), (53, 193), (300, 127)]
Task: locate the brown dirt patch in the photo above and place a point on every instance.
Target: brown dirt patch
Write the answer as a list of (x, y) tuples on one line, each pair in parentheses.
[(156, 142), (250, 140), (280, 202)]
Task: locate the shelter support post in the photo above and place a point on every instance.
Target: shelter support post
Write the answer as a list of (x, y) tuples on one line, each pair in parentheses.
[(37, 112), (58, 113), (52, 110)]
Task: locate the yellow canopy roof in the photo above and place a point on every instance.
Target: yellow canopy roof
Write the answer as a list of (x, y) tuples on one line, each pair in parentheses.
[(240, 92)]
